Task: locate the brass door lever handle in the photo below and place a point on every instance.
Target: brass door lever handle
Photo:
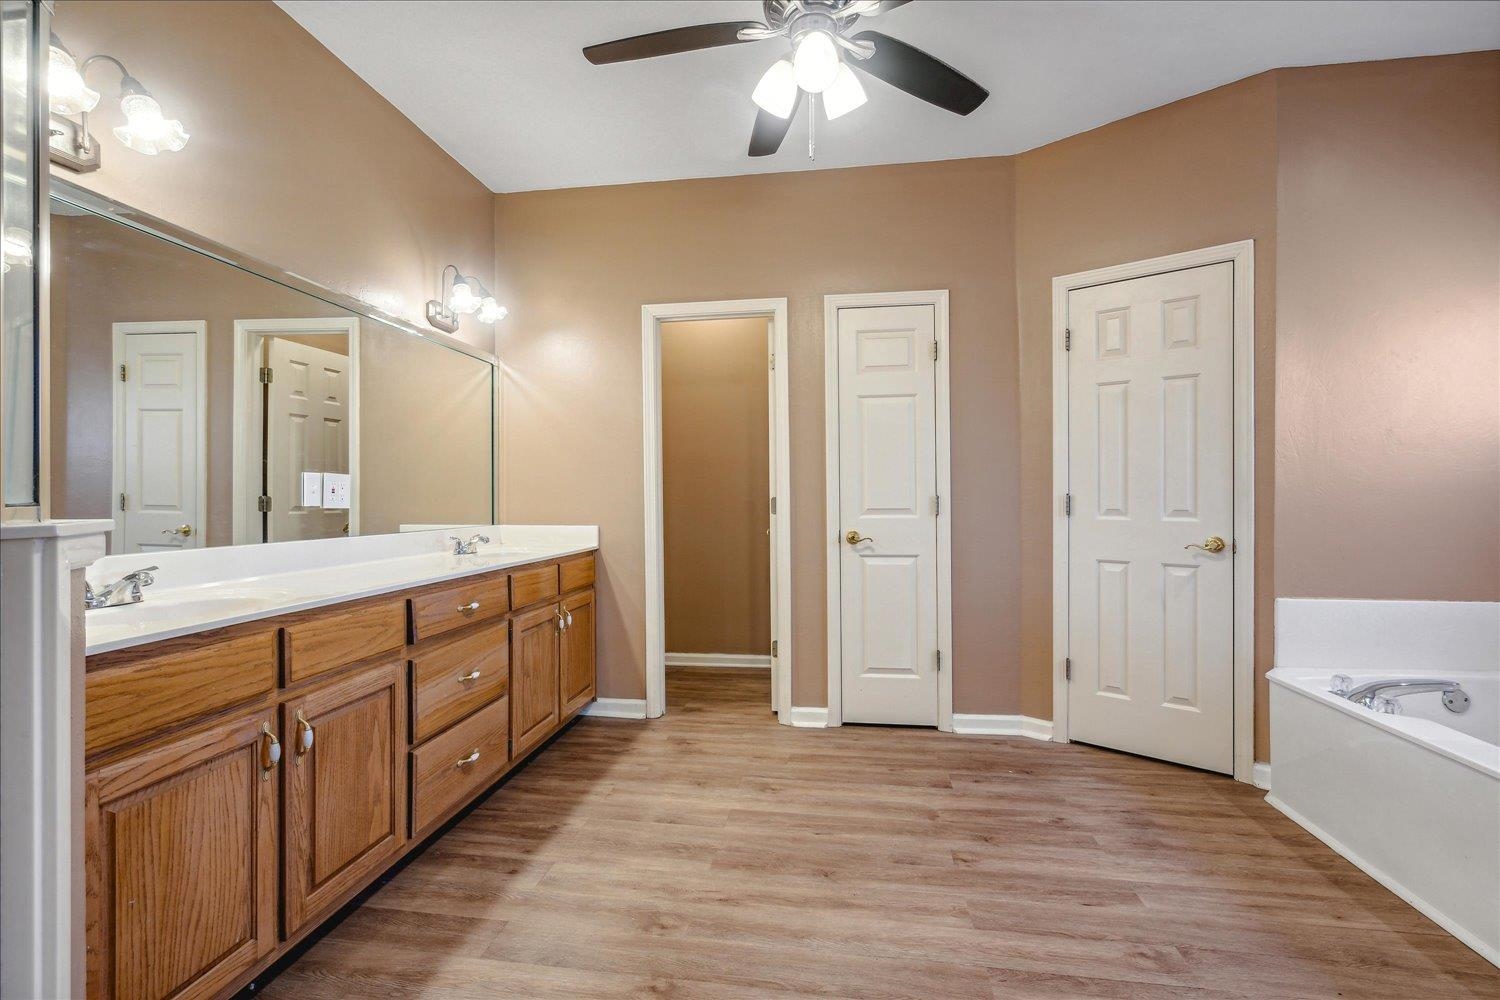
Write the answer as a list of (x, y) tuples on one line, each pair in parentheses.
[(1214, 544), (854, 538)]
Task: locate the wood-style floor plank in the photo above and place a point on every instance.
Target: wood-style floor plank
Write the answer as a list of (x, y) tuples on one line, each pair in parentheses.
[(716, 854)]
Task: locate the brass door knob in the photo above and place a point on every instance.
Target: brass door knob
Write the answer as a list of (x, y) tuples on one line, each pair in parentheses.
[(854, 538), (185, 530), (1214, 544)]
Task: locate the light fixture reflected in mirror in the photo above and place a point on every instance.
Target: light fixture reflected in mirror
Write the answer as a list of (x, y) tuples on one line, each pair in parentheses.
[(70, 99), (465, 295), (844, 94)]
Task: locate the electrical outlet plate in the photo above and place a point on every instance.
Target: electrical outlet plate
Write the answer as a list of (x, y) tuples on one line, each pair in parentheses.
[(336, 486)]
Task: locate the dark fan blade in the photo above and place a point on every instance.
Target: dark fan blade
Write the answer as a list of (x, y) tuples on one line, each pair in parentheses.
[(669, 42), (919, 74), (769, 130)]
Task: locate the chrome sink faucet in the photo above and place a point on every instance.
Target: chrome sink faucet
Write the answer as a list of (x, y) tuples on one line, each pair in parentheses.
[(126, 590), (469, 548)]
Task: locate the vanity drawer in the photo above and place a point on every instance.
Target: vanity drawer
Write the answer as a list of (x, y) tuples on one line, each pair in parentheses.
[(129, 698), (442, 772), (326, 640), (445, 687), (576, 573), (455, 605), (531, 586)]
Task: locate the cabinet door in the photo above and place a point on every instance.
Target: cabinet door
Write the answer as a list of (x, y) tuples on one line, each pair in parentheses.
[(533, 677), (180, 862), (345, 787), (577, 652)]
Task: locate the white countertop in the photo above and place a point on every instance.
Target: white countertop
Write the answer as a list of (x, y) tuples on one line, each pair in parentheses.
[(201, 589)]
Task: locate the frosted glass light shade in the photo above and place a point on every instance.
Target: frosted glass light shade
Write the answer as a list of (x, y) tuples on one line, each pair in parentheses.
[(491, 311), (67, 94), (776, 93), (844, 95), (462, 298), (816, 62), (145, 129)]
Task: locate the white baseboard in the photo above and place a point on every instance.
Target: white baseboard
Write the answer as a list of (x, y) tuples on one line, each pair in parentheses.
[(1260, 775), (1002, 725), (617, 708), (806, 718), (751, 661)]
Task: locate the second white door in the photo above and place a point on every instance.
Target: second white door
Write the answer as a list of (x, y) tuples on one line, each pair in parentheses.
[(160, 443), (307, 430), (888, 581)]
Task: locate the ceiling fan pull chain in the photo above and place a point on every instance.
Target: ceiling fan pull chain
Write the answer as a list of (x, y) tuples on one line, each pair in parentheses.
[(812, 126)]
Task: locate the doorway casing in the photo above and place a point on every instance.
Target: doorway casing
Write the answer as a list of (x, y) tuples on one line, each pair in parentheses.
[(1242, 256), (938, 300), (773, 311)]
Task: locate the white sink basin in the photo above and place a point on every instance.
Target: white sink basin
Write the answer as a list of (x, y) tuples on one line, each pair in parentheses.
[(166, 610)]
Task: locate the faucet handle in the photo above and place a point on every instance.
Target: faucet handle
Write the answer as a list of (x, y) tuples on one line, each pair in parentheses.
[(1340, 684)]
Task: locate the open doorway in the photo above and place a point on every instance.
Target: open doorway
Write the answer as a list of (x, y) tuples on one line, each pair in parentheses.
[(716, 485), (296, 429), (717, 482)]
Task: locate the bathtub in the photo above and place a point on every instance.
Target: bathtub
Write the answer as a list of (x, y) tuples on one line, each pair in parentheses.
[(1412, 799)]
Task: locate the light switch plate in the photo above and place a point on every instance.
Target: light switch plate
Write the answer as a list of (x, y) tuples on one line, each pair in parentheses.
[(336, 490), (312, 489)]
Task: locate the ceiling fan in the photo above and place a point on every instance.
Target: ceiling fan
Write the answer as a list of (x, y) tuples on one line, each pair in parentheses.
[(819, 31)]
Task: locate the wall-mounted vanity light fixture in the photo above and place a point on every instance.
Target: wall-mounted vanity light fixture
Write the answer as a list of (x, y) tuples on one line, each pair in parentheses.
[(70, 99), (462, 295)]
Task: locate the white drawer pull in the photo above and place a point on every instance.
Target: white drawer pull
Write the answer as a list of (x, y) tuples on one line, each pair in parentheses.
[(471, 606), (466, 761), (467, 678)]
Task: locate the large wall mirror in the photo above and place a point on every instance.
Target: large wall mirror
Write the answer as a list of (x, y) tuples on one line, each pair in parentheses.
[(197, 403)]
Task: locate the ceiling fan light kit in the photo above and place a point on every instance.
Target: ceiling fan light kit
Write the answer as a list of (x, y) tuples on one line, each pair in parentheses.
[(823, 61)]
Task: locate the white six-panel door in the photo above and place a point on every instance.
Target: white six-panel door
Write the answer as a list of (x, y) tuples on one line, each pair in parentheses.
[(1150, 473), (307, 430), (159, 442), (888, 577)]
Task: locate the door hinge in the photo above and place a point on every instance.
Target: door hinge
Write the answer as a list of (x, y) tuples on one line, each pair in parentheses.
[(122, 373), (1067, 505), (940, 660), (263, 504), (775, 648), (122, 501), (937, 504), (266, 376), (773, 362), (1067, 668), (1067, 340), (773, 505), (934, 350)]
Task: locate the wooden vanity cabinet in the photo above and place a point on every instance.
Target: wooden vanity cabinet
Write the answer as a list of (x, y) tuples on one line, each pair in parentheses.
[(534, 704), (180, 863), (244, 783), (576, 652), (345, 788)]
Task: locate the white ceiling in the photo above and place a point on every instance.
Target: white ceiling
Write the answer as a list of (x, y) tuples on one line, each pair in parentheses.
[(504, 89)]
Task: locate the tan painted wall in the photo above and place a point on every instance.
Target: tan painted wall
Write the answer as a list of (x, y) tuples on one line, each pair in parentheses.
[(715, 481), (580, 263), (293, 158), (425, 419), (1192, 174), (1388, 352)]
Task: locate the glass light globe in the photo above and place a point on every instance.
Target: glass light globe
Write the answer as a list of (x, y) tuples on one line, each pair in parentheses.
[(67, 94), (145, 129), (491, 311), (462, 298), (776, 93), (844, 95), (816, 62)]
